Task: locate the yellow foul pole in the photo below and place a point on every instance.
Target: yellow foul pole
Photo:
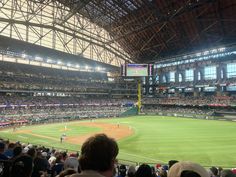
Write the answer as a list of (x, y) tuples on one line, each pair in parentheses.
[(139, 96)]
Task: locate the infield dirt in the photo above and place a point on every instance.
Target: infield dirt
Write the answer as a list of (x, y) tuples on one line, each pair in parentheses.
[(115, 131)]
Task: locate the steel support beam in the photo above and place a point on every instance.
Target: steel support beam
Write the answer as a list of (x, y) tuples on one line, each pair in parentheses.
[(35, 21)]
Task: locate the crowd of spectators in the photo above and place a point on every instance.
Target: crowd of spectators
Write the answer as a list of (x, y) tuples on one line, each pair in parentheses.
[(18, 69), (24, 77), (35, 160), (177, 109), (190, 105), (96, 159), (59, 84), (191, 100), (37, 101), (30, 109)]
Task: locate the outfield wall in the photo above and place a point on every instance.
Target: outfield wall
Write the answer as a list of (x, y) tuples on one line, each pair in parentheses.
[(222, 116)]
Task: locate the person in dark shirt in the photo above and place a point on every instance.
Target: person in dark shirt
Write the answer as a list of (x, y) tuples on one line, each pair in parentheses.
[(22, 166), (9, 151), (41, 165), (2, 149)]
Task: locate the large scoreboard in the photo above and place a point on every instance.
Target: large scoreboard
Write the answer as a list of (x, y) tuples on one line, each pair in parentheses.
[(137, 70)]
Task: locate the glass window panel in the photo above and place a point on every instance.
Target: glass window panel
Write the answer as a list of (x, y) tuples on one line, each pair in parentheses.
[(3, 24), (199, 76), (221, 74), (164, 80), (46, 43), (189, 75), (6, 31), (86, 55), (22, 31), (231, 70), (32, 36), (157, 79), (172, 76), (180, 77), (210, 72)]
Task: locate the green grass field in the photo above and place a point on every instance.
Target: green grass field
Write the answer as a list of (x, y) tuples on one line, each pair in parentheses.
[(156, 139)]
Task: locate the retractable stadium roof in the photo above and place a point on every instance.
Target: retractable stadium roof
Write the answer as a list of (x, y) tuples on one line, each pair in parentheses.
[(150, 30)]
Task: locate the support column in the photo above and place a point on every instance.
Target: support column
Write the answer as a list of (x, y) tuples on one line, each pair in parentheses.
[(177, 92), (196, 92), (218, 90)]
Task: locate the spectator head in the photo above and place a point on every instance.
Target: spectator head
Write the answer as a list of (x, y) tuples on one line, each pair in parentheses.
[(162, 173), (59, 158), (44, 154), (172, 162), (74, 155), (158, 166), (187, 169), (22, 166), (220, 169), (99, 153), (234, 170), (25, 150), (52, 160), (30, 146), (11, 145), (131, 171), (32, 152), (64, 155), (72, 163), (153, 170), (122, 170), (227, 173), (165, 168), (144, 170), (17, 151), (213, 171), (2, 147)]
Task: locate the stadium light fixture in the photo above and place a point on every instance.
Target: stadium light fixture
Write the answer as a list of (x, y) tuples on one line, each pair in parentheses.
[(38, 58), (59, 62), (206, 52), (77, 66), (214, 51), (198, 54), (86, 67), (49, 60), (99, 69), (68, 64), (23, 55), (222, 49)]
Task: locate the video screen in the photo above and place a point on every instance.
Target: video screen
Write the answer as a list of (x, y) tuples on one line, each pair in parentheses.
[(136, 70)]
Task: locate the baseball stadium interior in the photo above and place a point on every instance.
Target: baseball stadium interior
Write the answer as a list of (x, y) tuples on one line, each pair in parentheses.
[(97, 60)]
